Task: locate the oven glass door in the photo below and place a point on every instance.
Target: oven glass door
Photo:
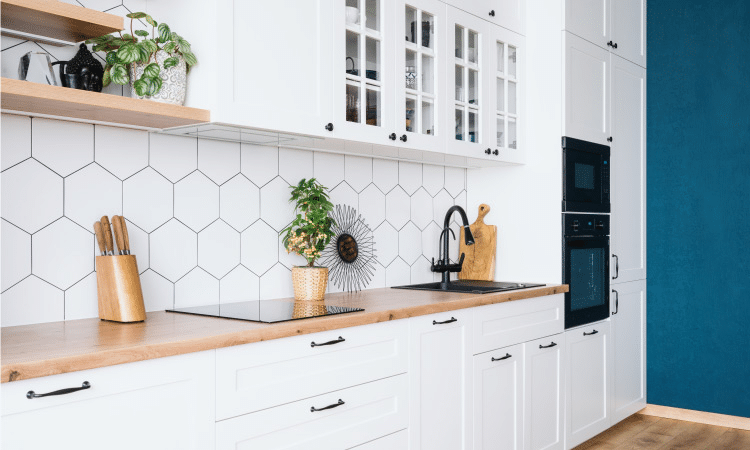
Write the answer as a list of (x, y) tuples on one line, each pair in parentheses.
[(587, 274), (583, 182)]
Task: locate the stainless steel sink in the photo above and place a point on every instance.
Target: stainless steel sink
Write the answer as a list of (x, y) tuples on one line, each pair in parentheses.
[(471, 287)]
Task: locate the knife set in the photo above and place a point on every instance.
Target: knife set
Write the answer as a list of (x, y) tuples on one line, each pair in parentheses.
[(117, 281)]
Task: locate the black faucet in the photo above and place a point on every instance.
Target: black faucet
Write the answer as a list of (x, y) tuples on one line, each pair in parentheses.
[(443, 265)]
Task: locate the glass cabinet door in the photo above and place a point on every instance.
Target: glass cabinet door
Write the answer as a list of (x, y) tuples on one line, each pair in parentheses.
[(506, 95)]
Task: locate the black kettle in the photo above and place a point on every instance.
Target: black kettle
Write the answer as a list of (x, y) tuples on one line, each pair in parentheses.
[(83, 71)]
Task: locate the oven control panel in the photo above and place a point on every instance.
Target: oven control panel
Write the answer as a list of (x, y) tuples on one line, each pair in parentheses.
[(585, 225)]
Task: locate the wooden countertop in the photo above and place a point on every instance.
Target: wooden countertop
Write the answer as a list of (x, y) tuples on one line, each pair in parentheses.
[(31, 351)]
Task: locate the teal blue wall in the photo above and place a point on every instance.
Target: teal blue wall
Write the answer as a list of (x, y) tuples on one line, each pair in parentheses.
[(699, 205)]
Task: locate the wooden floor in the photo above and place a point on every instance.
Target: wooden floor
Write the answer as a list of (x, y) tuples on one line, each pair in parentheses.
[(656, 433)]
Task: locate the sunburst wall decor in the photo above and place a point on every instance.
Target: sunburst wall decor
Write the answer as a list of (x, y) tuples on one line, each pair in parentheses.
[(350, 257)]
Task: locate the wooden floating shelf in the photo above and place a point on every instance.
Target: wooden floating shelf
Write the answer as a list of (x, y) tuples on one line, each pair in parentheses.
[(43, 99), (57, 20)]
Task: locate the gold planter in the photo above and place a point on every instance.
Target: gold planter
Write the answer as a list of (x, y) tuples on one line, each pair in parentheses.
[(309, 283)]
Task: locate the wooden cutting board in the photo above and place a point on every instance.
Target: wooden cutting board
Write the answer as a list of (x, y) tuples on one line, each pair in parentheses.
[(479, 263)]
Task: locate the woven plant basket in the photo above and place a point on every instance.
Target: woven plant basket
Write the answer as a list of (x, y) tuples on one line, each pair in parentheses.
[(309, 283)]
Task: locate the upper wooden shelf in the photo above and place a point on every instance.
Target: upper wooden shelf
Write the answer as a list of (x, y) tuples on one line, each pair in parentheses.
[(57, 20), (43, 99)]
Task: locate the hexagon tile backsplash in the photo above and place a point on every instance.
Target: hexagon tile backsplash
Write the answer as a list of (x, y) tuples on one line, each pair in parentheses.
[(204, 216)]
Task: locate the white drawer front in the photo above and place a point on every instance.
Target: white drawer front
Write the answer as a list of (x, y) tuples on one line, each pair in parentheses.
[(369, 411), (510, 323), (265, 374), (395, 441)]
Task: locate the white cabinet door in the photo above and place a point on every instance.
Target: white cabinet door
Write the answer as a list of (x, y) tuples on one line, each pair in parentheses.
[(628, 171), (165, 403), (543, 393), (586, 94), (628, 362), (587, 392), (440, 381), (589, 19), (498, 399), (629, 30)]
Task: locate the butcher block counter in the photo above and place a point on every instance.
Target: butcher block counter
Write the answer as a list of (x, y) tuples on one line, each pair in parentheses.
[(32, 351)]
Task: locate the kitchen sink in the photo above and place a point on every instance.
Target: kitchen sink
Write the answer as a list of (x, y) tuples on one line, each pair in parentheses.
[(470, 287)]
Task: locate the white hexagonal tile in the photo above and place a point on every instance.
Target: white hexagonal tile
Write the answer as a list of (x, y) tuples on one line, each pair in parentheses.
[(275, 208), (100, 5), (276, 283), (397, 208), (61, 253), (386, 243), (260, 163), (460, 200), (358, 172), (15, 139), (397, 273), (420, 271), (455, 178), (62, 146), (385, 174), (240, 285), (372, 206), (158, 292), (195, 289), (260, 247), (139, 245), (329, 169), (218, 249), (196, 201), (174, 250), (91, 193), (431, 241), (440, 206), (16, 255), (239, 202), (30, 183), (295, 165), (81, 299), (32, 301), (219, 160), (409, 176), (173, 156), (421, 208), (122, 151), (433, 178), (343, 194), (147, 199), (410, 243)]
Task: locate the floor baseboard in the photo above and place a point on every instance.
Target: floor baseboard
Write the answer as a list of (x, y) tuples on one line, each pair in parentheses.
[(722, 420)]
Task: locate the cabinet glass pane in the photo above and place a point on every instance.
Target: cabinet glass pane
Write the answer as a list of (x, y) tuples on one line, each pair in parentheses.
[(428, 75), (428, 118), (411, 30), (473, 87), (500, 57), (512, 134), (352, 53), (473, 127), (512, 61), (459, 83), (372, 49), (411, 70), (500, 94), (373, 107), (352, 12), (428, 30), (473, 47), (459, 42), (411, 114), (372, 14), (500, 131), (459, 124), (512, 97), (352, 101)]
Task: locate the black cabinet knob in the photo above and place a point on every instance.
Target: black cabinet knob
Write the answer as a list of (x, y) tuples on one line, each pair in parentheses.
[(392, 136), (610, 44), (496, 152), (615, 46), (403, 138), (609, 139), (329, 127), (488, 151), (492, 13)]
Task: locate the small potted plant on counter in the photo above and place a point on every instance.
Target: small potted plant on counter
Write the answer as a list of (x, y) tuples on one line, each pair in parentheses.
[(308, 235), (155, 66)]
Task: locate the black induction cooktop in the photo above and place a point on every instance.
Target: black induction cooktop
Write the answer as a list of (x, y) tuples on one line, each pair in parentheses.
[(471, 286), (267, 311)]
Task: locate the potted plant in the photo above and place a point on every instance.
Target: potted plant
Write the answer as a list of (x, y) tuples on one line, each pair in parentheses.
[(308, 235), (155, 66)]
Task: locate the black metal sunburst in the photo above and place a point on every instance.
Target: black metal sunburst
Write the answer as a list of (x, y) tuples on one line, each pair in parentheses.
[(350, 256)]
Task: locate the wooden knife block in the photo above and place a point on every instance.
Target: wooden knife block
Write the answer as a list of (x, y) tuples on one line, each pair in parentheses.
[(119, 288)]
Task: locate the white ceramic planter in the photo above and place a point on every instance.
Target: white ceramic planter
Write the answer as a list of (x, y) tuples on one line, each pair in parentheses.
[(174, 80)]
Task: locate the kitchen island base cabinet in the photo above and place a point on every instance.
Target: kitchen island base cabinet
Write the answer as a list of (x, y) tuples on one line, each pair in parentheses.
[(543, 393), (160, 404)]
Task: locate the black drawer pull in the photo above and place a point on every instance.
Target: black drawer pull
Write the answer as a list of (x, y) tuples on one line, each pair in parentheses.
[(548, 346), (507, 355), (335, 341), (337, 404), (451, 320), (590, 334), (32, 394)]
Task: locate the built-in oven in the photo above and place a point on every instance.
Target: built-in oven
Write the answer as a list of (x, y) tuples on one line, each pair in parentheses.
[(586, 268), (585, 176)]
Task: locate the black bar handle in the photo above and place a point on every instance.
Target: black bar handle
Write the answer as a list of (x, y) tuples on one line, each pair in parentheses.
[(548, 346), (590, 334), (617, 302), (335, 341), (451, 320), (335, 405), (32, 394), (617, 267), (507, 355)]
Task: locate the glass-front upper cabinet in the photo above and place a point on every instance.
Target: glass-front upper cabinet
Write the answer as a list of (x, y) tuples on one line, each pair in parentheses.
[(506, 95)]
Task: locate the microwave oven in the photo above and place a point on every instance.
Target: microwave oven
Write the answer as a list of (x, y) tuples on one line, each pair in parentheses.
[(585, 176)]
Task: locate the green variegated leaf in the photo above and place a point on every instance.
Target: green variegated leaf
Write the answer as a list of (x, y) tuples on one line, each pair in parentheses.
[(100, 39), (152, 70), (141, 33), (106, 79), (164, 32), (136, 15), (111, 58), (184, 45), (141, 87), (144, 54), (158, 86), (119, 74), (149, 45), (100, 48), (150, 21), (128, 38), (116, 42), (127, 54), (171, 62), (169, 46), (190, 58), (151, 85)]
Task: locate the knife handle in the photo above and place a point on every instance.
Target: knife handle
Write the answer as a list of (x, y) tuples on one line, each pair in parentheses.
[(100, 238), (107, 235), (125, 237), (117, 227)]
